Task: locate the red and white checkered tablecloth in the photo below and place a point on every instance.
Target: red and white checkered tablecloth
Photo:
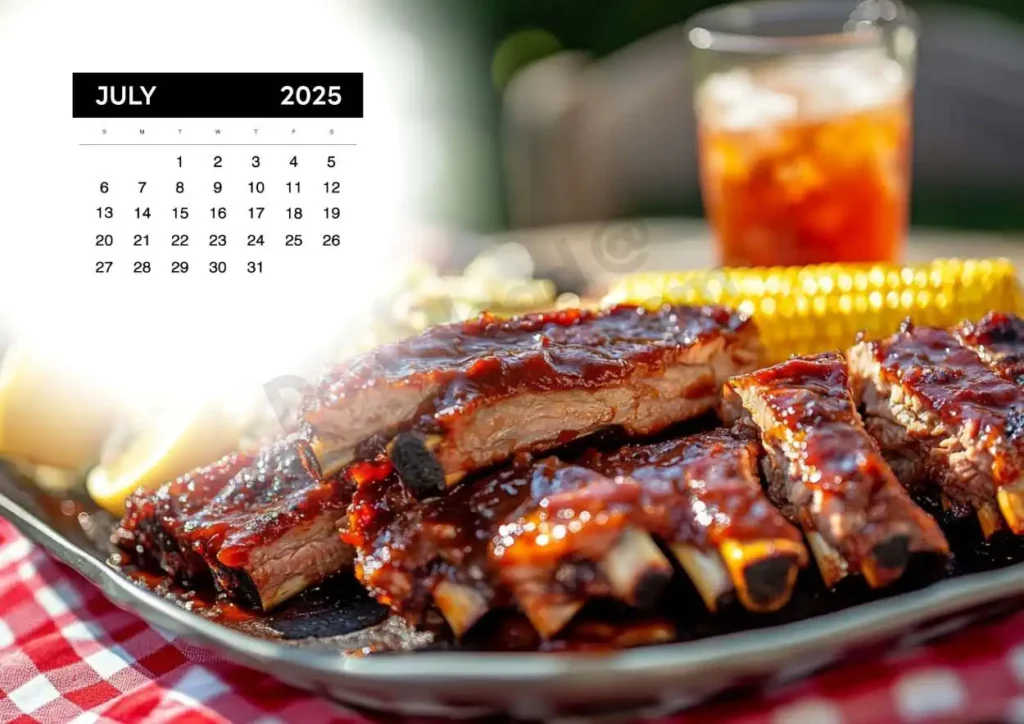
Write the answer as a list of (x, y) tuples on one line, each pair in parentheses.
[(67, 654)]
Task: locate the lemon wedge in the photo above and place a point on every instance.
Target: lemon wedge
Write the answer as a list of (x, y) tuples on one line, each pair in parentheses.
[(47, 418), (171, 445)]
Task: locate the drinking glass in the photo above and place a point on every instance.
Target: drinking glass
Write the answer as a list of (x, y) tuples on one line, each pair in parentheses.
[(804, 123)]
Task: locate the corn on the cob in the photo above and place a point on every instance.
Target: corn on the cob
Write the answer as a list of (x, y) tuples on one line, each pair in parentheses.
[(810, 309)]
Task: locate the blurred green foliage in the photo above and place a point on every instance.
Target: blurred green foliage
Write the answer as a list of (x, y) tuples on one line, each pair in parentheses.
[(496, 38)]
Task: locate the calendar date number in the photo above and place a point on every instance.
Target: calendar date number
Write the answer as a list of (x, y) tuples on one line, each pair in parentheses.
[(199, 209)]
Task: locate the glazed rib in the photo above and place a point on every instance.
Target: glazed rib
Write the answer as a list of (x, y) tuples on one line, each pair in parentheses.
[(151, 530), (263, 528), (702, 497), (413, 554), (933, 404), (461, 397), (998, 339), (549, 536), (575, 536), (826, 473)]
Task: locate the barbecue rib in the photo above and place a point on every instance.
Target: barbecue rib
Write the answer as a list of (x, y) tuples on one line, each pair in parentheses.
[(702, 497), (933, 405), (999, 341), (462, 397), (151, 529), (264, 527), (548, 536), (826, 473), (411, 554)]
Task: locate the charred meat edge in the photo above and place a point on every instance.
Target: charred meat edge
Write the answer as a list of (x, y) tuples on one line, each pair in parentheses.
[(198, 515)]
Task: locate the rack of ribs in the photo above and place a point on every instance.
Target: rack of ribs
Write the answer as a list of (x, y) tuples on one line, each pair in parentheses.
[(940, 414), (547, 536), (262, 528), (998, 340), (827, 474), (462, 397)]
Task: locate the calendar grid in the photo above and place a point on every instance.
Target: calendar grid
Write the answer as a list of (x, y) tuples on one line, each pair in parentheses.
[(177, 197)]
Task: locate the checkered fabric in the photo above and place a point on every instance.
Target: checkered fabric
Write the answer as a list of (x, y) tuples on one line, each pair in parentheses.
[(67, 654)]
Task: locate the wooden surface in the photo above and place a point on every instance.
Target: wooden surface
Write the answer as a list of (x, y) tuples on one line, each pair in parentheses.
[(591, 254)]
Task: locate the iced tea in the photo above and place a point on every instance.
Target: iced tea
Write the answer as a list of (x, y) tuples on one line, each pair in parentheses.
[(806, 159)]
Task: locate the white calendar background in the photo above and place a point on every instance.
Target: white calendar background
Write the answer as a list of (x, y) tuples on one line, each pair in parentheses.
[(278, 199), (221, 326)]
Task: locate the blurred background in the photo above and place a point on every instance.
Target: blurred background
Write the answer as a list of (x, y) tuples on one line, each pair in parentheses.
[(542, 112)]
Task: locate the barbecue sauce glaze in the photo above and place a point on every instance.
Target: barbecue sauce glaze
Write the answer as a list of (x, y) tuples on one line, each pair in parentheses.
[(489, 357), (953, 382), (556, 515)]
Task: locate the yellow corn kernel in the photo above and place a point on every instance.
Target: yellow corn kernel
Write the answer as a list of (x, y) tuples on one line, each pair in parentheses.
[(802, 310)]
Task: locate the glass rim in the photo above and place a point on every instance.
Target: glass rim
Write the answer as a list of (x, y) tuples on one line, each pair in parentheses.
[(719, 28)]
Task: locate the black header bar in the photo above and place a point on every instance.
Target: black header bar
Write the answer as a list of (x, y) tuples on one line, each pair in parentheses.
[(218, 95)]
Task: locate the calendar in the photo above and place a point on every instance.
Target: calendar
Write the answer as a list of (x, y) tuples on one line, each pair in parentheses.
[(198, 198), (212, 175)]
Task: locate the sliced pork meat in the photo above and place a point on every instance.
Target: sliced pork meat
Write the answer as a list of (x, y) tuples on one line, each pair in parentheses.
[(701, 496), (151, 530), (550, 535), (826, 472), (998, 340), (462, 397), (933, 402), (263, 528)]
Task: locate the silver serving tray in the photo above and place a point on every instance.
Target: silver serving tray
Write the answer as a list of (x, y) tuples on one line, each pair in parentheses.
[(649, 680)]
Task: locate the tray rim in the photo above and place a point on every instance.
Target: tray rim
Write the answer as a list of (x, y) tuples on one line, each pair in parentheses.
[(859, 624)]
